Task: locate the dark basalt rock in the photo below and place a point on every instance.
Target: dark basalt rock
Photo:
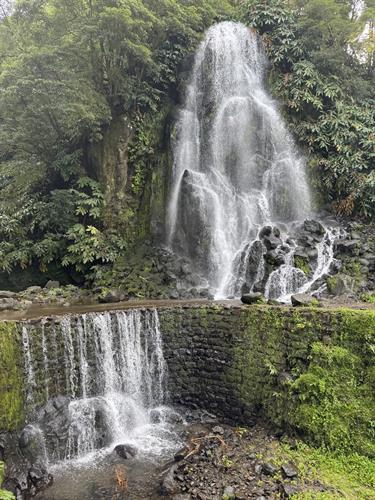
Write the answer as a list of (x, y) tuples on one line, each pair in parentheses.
[(271, 242), (347, 246), (288, 490), (181, 454), (302, 300), (313, 226), (32, 445), (51, 284), (265, 231), (40, 478), (269, 469), (114, 296), (341, 284), (125, 451), (252, 298), (289, 471), (168, 485)]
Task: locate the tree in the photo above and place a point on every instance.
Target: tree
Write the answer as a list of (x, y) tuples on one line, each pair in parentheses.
[(326, 84), (69, 70)]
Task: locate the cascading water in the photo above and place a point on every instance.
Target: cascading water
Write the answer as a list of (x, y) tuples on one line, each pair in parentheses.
[(115, 378), (235, 166)]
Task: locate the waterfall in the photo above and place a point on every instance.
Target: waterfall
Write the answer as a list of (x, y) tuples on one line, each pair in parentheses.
[(114, 383), (236, 168)]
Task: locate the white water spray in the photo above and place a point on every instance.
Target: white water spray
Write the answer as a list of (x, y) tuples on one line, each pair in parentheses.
[(235, 165)]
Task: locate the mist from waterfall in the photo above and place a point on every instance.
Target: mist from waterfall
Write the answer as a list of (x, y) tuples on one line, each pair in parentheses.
[(235, 168)]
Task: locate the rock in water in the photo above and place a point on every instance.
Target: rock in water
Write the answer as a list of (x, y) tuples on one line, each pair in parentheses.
[(252, 298), (168, 485), (313, 226), (303, 300), (125, 451)]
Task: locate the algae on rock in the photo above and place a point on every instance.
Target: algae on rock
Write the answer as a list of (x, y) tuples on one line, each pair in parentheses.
[(11, 401)]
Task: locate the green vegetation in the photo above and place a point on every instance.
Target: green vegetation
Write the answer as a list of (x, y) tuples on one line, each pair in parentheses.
[(323, 70), (369, 297), (315, 374), (350, 476), (302, 264), (4, 495), (11, 401), (335, 404), (87, 92), (70, 73)]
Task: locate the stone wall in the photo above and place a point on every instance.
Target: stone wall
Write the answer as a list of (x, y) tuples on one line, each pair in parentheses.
[(239, 362)]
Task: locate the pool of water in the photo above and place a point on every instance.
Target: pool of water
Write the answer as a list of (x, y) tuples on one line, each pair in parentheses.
[(105, 475)]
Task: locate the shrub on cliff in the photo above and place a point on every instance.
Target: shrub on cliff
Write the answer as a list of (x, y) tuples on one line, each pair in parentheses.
[(323, 70)]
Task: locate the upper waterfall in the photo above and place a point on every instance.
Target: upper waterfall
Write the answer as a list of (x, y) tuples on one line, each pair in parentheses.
[(235, 165)]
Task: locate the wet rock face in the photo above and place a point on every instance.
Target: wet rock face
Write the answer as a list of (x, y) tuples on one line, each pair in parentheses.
[(125, 451), (26, 471), (303, 300), (252, 298)]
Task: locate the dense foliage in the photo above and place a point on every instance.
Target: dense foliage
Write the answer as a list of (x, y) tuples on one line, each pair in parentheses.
[(71, 69), (68, 68), (323, 70)]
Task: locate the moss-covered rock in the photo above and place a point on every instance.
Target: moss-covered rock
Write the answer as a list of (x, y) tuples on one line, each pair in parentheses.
[(11, 394)]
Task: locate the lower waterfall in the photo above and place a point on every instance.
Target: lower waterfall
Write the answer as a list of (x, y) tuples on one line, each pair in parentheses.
[(113, 391)]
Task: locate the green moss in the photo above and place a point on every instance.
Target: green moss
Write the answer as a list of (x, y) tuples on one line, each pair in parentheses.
[(4, 494), (325, 392), (302, 264), (368, 297), (334, 408), (332, 283), (348, 476), (11, 395)]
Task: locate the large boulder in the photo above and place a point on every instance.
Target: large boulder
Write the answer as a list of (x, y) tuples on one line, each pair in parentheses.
[(125, 451), (314, 227), (252, 298), (5, 294), (348, 247), (113, 296), (303, 300), (50, 285), (9, 305), (341, 284)]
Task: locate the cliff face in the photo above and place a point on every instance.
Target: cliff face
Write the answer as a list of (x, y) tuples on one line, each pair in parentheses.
[(132, 163)]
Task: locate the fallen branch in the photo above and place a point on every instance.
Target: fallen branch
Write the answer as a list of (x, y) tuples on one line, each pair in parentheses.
[(198, 442)]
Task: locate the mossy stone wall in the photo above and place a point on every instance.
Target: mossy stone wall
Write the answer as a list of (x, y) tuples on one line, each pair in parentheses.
[(11, 377), (308, 370)]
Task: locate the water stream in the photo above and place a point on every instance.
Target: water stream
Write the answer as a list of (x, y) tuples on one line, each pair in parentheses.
[(236, 168)]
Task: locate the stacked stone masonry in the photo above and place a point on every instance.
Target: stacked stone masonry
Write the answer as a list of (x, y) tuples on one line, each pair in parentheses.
[(234, 361)]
